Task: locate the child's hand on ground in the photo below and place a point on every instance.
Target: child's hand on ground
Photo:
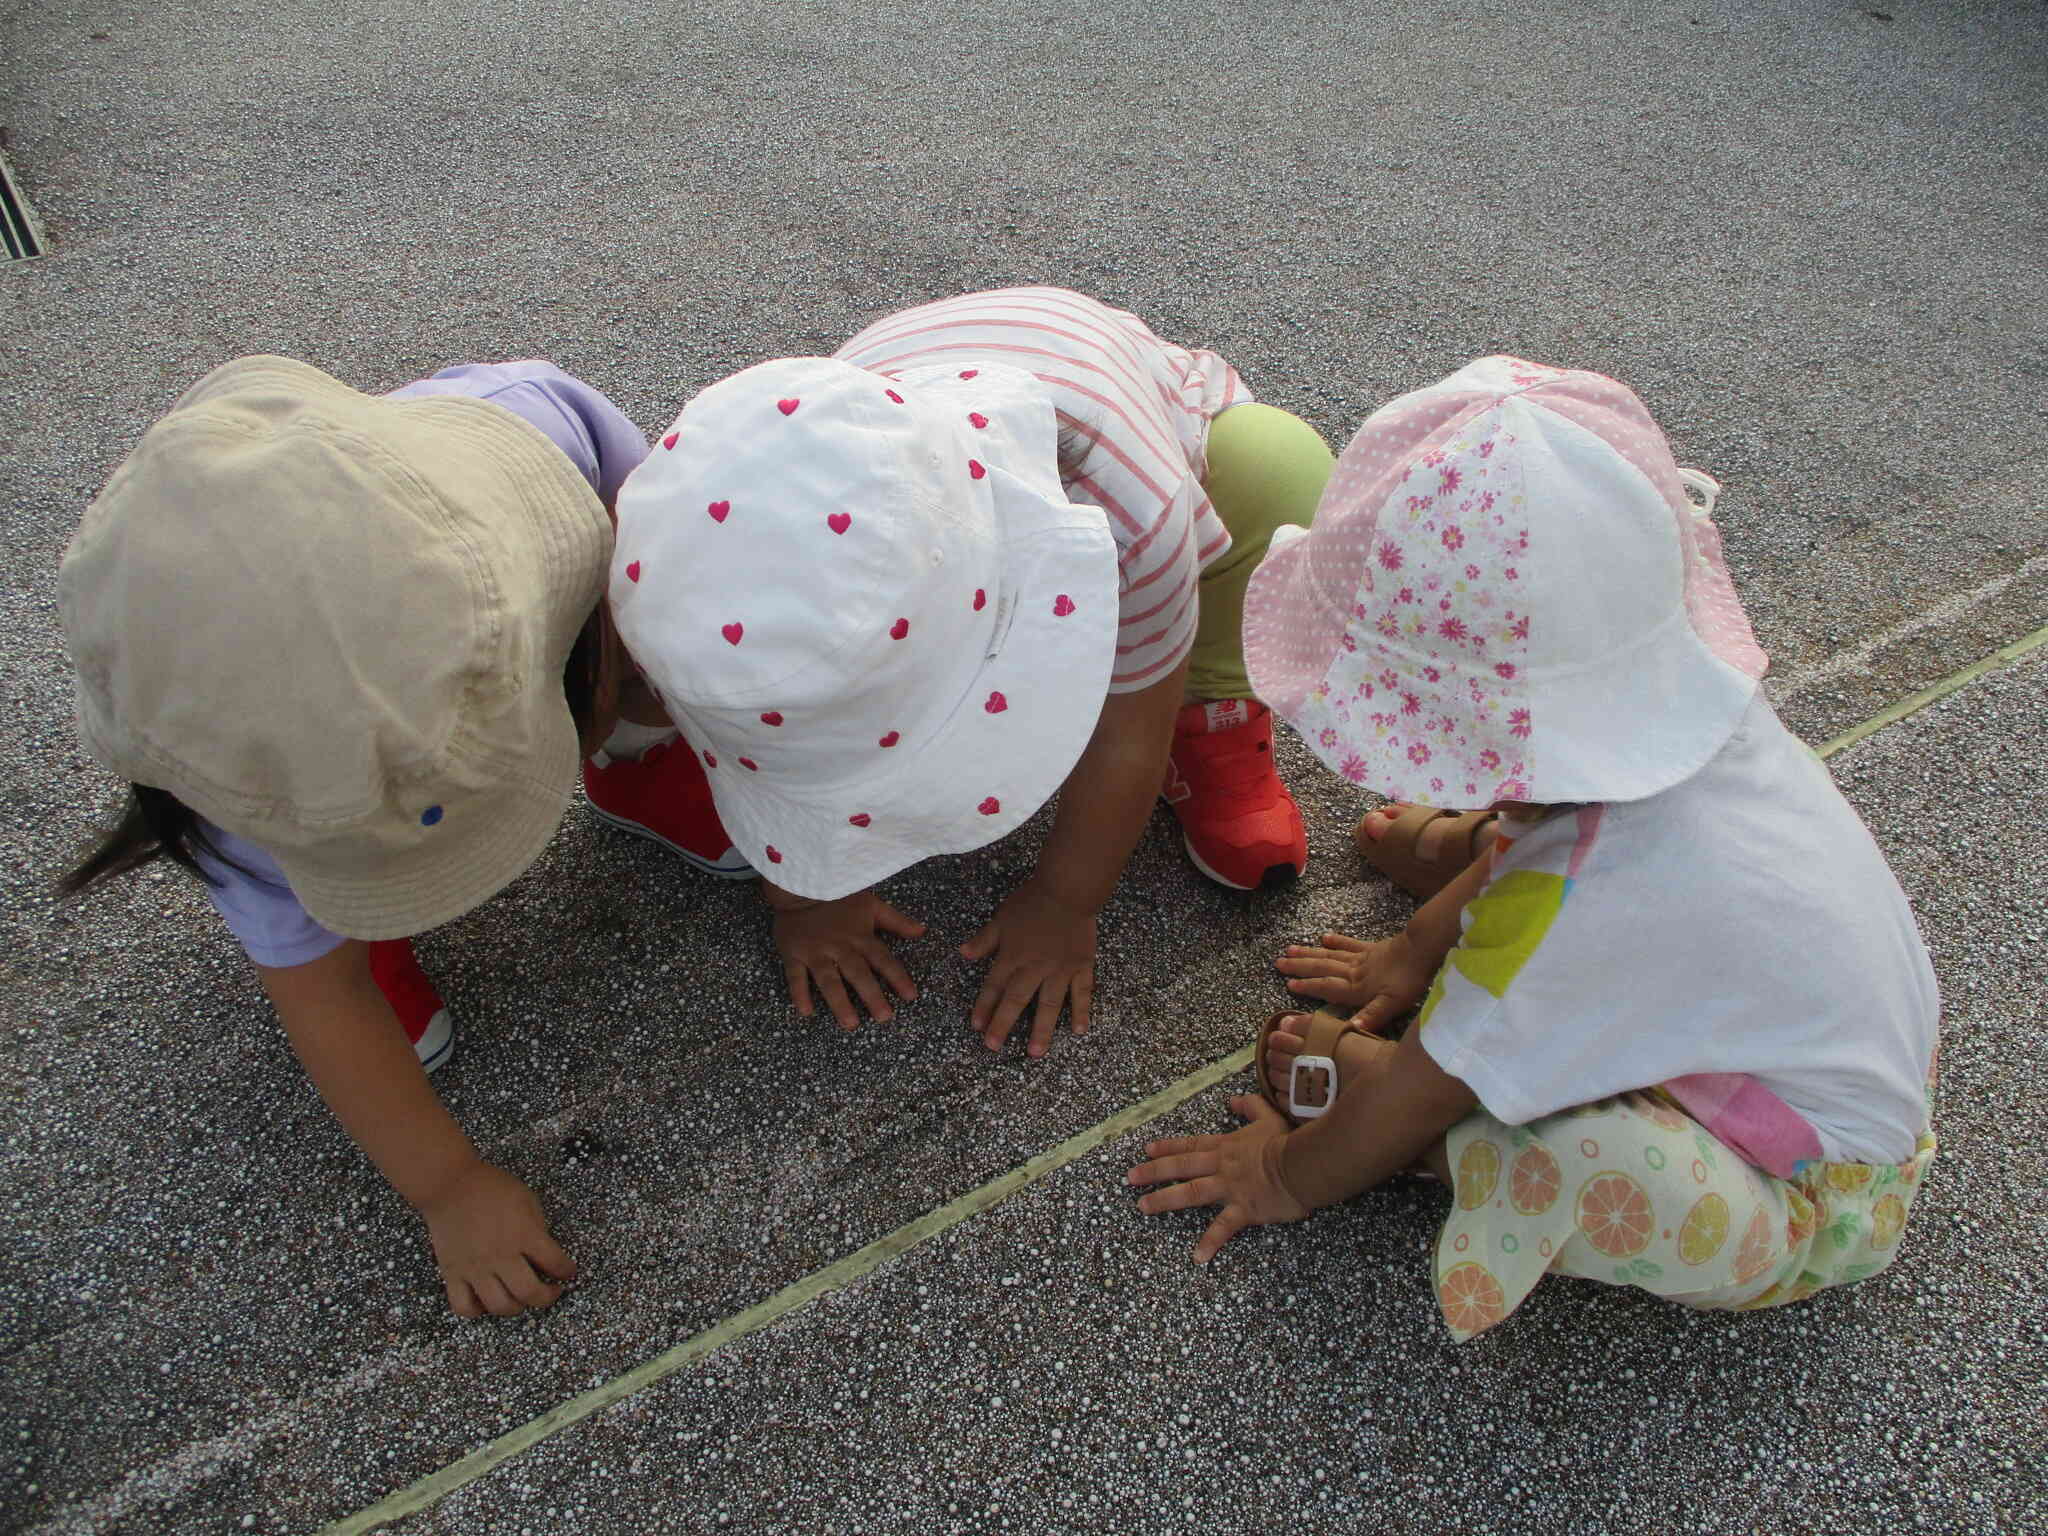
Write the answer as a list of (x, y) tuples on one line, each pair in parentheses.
[(1044, 946), (1378, 979), (1240, 1172), (492, 1244), (833, 945)]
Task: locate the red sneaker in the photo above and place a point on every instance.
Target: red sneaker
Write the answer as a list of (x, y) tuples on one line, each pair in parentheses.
[(413, 998), (663, 794), (1239, 823)]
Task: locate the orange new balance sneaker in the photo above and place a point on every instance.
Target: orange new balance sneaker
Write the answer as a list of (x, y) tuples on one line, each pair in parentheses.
[(412, 997), (1239, 823), (664, 795)]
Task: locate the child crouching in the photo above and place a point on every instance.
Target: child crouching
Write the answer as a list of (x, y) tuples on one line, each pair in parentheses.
[(1677, 1025)]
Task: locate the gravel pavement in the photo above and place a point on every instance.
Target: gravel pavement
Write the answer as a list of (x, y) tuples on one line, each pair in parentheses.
[(1810, 235)]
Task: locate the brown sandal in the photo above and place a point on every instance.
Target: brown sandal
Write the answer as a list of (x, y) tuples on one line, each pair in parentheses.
[(1312, 1086), (1397, 852)]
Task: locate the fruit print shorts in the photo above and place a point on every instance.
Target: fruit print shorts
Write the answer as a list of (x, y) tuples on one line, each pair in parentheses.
[(1632, 1191)]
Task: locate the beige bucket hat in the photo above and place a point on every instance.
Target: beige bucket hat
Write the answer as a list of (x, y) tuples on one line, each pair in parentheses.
[(335, 625)]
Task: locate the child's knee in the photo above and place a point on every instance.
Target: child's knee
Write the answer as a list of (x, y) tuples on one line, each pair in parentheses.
[(1266, 467)]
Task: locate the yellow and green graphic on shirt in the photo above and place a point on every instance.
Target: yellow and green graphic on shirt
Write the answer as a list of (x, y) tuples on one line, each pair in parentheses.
[(1504, 924)]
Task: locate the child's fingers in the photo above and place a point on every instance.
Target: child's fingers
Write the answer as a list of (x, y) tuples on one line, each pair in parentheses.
[(496, 1299), (1017, 993), (983, 944), (833, 988), (1181, 1197), (1082, 998), (883, 959), (461, 1299), (799, 978), (1221, 1230), (551, 1258), (986, 999), (1331, 989), (1045, 1020), (1300, 960), (856, 971), (1251, 1106), (1178, 1157), (898, 923), (528, 1289), (1378, 1013), (1345, 942)]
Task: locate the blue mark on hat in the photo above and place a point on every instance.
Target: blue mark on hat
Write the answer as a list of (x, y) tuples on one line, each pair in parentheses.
[(430, 815)]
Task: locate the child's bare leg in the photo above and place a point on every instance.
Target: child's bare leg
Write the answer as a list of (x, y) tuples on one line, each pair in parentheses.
[(1436, 1160), (1361, 1059)]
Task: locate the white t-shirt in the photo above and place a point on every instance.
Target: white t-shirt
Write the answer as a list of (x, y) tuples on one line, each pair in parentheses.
[(1133, 414), (1742, 921)]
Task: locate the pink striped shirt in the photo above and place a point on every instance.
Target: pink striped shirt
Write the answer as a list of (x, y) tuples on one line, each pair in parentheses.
[(1133, 417)]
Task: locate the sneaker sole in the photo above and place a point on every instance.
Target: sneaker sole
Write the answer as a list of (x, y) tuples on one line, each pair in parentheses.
[(1276, 874), (436, 1044), (732, 867)]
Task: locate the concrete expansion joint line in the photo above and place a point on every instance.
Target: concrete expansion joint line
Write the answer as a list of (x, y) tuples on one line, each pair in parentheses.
[(194, 1463)]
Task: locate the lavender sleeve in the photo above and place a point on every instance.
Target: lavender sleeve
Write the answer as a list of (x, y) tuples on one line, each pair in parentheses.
[(254, 900), (597, 436)]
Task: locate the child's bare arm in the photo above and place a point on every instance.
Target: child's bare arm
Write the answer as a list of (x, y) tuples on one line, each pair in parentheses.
[(489, 1237), (1043, 935), (1265, 1172)]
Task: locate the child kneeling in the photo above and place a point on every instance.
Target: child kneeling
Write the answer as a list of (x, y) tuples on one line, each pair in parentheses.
[(1677, 1026)]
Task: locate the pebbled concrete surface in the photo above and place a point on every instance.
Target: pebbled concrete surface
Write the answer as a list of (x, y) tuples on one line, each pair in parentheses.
[(1808, 236)]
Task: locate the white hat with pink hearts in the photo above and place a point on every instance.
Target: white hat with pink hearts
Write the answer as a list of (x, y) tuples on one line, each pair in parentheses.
[(1507, 594), (870, 607)]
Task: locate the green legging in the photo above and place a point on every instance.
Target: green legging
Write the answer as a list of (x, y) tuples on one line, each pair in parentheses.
[(1265, 468)]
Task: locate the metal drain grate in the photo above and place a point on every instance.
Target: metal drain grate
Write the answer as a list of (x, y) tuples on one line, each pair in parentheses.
[(18, 227)]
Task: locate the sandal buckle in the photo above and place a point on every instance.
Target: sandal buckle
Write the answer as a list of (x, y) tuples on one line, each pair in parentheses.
[(1311, 1086)]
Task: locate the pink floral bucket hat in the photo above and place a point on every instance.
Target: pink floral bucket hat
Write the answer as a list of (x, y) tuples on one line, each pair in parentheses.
[(1509, 593), (870, 607)]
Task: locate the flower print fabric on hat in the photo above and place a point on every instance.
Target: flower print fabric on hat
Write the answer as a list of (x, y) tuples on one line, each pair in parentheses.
[(870, 606), (1507, 594)]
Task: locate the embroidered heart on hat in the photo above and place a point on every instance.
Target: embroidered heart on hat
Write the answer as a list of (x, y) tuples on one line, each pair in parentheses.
[(710, 760), (839, 522), (899, 629), (980, 599), (1062, 606), (890, 740), (989, 806), (750, 765), (732, 633), (975, 469), (787, 407), (859, 819), (893, 396), (774, 855), (633, 571), (718, 510), (968, 373), (772, 717), (996, 704), (977, 419), (670, 440)]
